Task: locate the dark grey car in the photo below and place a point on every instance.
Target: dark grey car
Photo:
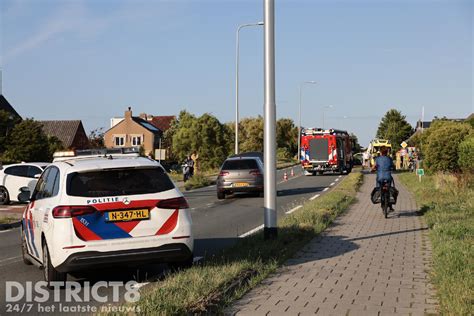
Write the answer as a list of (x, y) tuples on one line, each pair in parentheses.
[(240, 174)]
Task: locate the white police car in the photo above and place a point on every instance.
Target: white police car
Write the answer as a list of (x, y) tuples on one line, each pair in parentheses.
[(107, 209)]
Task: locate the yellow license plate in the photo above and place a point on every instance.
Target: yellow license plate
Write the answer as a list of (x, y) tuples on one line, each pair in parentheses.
[(241, 184), (127, 215)]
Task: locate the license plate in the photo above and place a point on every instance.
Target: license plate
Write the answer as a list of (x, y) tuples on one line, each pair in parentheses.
[(241, 184), (127, 215)]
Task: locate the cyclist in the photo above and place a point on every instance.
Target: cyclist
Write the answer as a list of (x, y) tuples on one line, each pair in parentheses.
[(384, 166)]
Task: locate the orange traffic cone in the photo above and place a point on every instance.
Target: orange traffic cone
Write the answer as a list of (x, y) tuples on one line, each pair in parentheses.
[(285, 176), (292, 173)]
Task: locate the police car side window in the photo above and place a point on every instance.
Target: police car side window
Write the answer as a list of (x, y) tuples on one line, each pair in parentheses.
[(50, 179), (38, 193)]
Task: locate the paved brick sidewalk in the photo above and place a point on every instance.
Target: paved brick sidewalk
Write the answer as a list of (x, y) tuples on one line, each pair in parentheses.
[(363, 265)]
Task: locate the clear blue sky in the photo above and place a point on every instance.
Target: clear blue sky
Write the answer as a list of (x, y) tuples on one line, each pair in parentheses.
[(89, 60)]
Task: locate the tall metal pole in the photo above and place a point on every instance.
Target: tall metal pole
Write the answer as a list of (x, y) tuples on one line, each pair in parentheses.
[(299, 129), (270, 230), (237, 83)]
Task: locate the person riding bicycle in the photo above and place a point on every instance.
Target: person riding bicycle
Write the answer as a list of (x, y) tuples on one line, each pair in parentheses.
[(384, 166)]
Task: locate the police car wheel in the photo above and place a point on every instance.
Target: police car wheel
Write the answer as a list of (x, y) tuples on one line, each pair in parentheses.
[(49, 272), (24, 251), (4, 196)]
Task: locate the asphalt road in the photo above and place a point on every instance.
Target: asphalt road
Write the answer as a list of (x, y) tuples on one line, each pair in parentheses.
[(216, 224)]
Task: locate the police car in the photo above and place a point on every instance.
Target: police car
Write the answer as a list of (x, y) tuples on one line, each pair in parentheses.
[(103, 208)]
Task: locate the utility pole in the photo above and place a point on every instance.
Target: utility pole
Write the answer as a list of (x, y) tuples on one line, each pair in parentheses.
[(270, 230)]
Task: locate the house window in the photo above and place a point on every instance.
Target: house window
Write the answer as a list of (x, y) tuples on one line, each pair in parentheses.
[(119, 141), (137, 140)]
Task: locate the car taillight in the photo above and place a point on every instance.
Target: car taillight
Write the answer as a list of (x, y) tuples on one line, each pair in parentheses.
[(305, 162), (174, 203), (223, 173), (68, 211), (255, 172)]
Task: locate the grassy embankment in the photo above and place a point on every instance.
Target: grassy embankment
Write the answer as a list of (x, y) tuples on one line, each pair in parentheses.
[(218, 281), (448, 204)]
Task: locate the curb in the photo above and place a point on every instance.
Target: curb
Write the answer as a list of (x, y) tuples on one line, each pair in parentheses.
[(10, 225)]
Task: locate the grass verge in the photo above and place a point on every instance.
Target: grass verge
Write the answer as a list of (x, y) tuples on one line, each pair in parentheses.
[(213, 285), (198, 181), (448, 204), (8, 220)]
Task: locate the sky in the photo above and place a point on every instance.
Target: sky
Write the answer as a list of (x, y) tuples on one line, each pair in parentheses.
[(90, 60)]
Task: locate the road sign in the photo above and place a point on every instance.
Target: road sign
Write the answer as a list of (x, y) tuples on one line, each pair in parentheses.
[(404, 144), (420, 172)]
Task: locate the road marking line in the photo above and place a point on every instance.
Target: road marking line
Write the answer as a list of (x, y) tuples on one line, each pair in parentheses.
[(250, 232), (325, 189), (6, 259), (209, 204), (314, 197), (11, 262), (332, 184), (337, 179), (339, 176), (294, 209)]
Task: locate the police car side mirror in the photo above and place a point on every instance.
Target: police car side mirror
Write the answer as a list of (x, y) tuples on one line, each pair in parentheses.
[(25, 195)]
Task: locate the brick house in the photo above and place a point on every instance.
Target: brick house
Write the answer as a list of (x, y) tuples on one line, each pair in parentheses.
[(133, 131), (71, 133)]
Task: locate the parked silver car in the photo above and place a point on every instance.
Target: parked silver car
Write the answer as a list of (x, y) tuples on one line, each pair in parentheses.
[(240, 174)]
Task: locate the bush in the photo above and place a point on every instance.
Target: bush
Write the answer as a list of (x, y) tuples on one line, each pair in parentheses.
[(283, 154), (441, 151), (197, 181), (466, 154)]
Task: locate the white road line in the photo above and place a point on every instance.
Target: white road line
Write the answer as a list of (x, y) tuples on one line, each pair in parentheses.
[(336, 180), (332, 183), (250, 232), (209, 204), (294, 209), (325, 189), (6, 259), (11, 262), (314, 197), (339, 176)]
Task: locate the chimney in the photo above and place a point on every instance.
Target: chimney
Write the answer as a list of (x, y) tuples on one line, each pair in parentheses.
[(128, 114)]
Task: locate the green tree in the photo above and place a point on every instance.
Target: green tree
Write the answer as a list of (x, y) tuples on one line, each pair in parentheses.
[(251, 134), (54, 145), (7, 122), (205, 135), (441, 145), (395, 128), (28, 142), (356, 147), (466, 154), (286, 136), (96, 138)]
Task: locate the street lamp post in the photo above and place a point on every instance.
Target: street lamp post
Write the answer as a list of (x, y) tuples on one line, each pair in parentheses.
[(324, 111), (237, 84), (299, 118)]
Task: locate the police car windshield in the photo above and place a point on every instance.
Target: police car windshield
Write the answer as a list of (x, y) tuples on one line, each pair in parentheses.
[(124, 181)]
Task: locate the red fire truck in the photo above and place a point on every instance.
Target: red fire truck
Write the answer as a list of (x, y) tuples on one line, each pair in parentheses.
[(325, 150)]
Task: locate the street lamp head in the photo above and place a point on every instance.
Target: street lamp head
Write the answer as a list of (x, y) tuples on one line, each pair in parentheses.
[(260, 23), (312, 82)]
